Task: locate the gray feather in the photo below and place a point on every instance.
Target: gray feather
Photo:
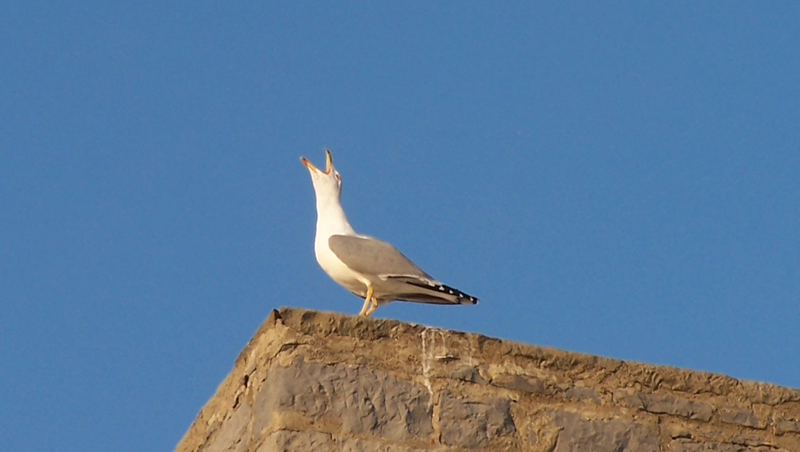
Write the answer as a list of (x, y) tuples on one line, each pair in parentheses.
[(371, 256)]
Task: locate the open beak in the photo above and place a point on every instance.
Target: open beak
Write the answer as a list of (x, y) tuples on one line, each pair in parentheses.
[(308, 164), (328, 163)]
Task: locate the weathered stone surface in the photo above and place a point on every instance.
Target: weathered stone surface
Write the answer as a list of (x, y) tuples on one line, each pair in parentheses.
[(741, 416), (578, 434), (330, 382), (284, 441), (676, 431), (786, 426), (750, 440), (522, 383), (290, 441), (769, 394), (713, 446), (582, 393), (363, 445), (468, 373), (471, 423), (357, 399), (658, 403), (233, 436)]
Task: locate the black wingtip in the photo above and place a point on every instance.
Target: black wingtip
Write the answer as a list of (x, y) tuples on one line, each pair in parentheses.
[(441, 294), (468, 299), (462, 297)]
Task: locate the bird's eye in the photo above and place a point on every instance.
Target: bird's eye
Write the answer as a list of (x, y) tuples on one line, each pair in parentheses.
[(338, 177)]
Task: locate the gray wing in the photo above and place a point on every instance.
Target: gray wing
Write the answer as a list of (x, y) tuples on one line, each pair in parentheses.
[(371, 256)]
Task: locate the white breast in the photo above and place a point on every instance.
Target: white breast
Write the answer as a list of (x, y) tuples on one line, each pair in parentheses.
[(336, 269)]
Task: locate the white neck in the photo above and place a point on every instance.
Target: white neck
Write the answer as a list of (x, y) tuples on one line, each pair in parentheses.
[(331, 218)]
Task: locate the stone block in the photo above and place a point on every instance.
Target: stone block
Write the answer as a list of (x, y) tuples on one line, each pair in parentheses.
[(471, 423), (664, 404), (578, 434), (286, 440), (350, 399), (330, 382), (233, 435), (710, 446), (783, 426), (522, 383), (741, 416), (580, 393), (468, 373), (294, 441)]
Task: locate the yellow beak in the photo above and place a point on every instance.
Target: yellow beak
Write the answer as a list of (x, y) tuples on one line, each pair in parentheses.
[(328, 163)]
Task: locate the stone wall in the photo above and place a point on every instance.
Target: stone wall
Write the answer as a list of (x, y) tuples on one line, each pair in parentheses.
[(330, 382)]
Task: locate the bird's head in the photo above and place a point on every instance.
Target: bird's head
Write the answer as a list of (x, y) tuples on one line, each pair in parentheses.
[(328, 182)]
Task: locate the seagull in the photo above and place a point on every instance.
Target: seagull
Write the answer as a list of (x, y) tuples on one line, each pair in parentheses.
[(368, 267)]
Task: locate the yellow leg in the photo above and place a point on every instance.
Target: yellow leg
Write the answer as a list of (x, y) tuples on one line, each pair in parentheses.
[(373, 307), (367, 301)]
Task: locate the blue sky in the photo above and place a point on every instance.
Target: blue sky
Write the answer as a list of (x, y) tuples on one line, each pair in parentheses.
[(619, 179)]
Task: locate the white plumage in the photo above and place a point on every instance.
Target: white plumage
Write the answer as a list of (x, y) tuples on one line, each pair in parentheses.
[(370, 268)]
